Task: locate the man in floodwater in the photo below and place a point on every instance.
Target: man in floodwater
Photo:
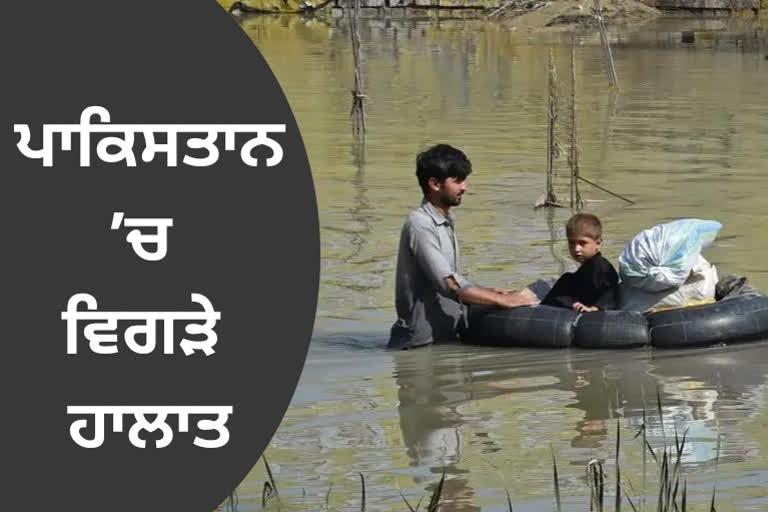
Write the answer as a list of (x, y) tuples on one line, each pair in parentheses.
[(429, 290)]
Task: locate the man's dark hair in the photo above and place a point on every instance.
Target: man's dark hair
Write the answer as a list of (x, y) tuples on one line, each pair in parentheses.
[(440, 162), (584, 224)]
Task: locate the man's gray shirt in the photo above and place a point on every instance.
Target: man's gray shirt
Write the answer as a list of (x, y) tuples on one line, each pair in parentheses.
[(427, 309)]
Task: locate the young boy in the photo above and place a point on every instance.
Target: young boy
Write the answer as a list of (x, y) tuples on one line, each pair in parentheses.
[(595, 285)]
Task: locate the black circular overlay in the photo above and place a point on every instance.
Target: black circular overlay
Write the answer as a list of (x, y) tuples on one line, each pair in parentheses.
[(244, 237)]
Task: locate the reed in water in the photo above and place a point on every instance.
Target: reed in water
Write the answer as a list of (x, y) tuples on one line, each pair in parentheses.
[(672, 492)]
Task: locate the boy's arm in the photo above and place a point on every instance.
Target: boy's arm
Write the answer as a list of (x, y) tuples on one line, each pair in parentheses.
[(562, 293), (609, 299), (559, 301), (609, 286)]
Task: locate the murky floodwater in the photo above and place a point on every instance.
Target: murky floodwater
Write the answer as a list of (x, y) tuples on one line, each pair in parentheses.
[(686, 137)]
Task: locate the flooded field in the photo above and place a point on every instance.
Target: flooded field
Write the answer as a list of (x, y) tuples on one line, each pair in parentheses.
[(687, 136)]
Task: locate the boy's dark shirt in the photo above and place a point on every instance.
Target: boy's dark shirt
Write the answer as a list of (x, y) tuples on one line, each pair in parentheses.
[(596, 283)]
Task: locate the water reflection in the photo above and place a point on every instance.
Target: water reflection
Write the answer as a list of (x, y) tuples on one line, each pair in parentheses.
[(701, 391), (554, 231), (489, 416), (360, 209), (611, 111)]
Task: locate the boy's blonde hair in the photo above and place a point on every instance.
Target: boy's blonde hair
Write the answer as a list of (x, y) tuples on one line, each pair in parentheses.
[(584, 224)]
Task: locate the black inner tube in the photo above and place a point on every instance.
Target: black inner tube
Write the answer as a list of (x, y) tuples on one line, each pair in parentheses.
[(731, 320)]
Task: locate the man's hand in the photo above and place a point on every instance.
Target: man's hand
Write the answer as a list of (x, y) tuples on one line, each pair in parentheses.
[(501, 297), (581, 308), (514, 299)]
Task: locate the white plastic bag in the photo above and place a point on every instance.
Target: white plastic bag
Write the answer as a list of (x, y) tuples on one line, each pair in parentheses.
[(662, 257), (699, 288)]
